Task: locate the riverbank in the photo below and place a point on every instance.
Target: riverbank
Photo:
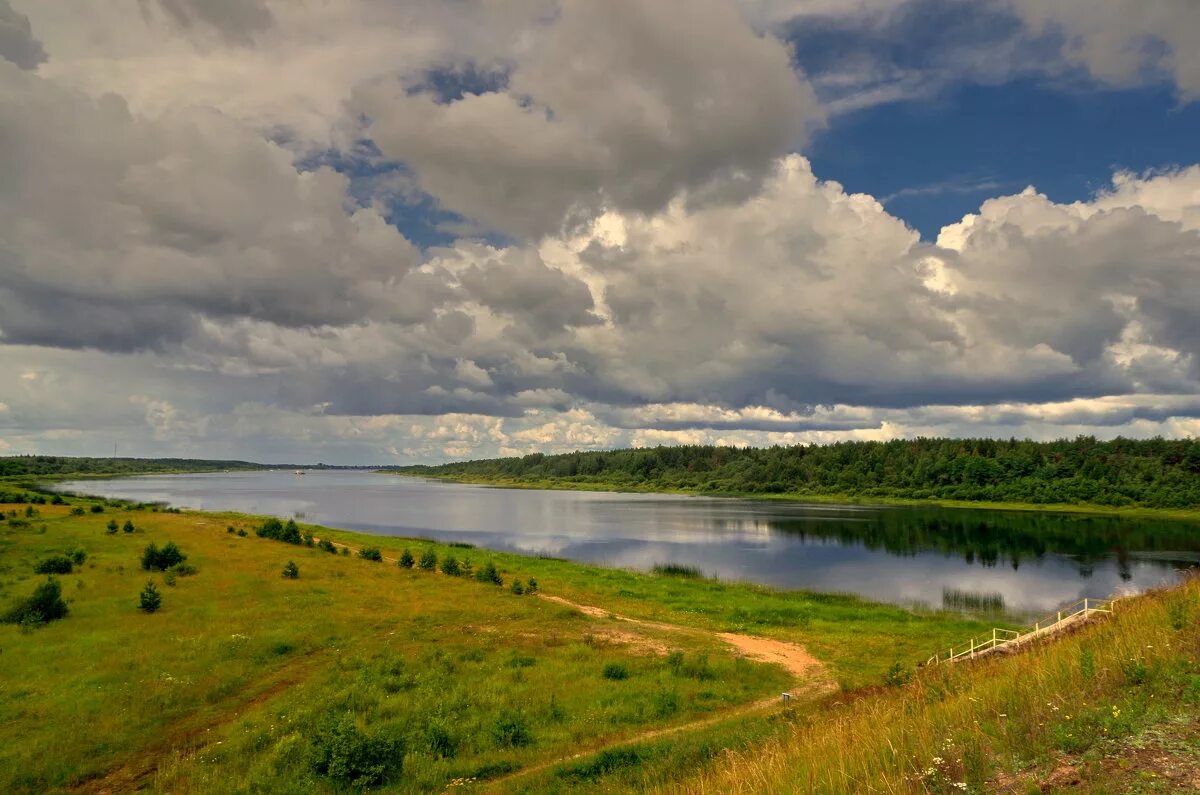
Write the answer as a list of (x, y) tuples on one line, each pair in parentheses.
[(1191, 514), (243, 673)]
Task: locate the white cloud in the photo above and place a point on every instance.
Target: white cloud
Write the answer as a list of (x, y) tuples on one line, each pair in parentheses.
[(1118, 41)]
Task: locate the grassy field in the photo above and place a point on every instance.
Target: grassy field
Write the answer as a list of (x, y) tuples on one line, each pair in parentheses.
[(248, 680), (591, 484)]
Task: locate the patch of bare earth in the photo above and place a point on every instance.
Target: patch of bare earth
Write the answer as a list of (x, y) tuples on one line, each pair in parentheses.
[(793, 657)]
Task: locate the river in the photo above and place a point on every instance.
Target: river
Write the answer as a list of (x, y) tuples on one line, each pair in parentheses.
[(1021, 562)]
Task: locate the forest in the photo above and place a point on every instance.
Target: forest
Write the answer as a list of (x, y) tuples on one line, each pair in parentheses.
[(1149, 473), (49, 465)]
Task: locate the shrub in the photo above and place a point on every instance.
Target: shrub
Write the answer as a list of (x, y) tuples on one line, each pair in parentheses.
[(487, 573), (342, 752), (78, 556), (271, 528), (128, 526), (78, 511), (56, 564), (406, 560), (291, 571), (345, 552), (112, 527), (308, 539), (97, 508), (428, 560), (291, 533), (511, 731), (450, 566), (30, 512), (327, 545), (58, 500), (149, 600), (230, 530), (532, 587), (616, 672), (517, 588), (184, 569), (45, 605), (154, 558), (897, 675), (241, 533), (370, 553)]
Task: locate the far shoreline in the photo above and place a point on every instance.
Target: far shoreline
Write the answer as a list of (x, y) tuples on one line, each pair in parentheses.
[(1086, 509)]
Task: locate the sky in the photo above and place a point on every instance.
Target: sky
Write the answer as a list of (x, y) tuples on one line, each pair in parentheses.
[(386, 231)]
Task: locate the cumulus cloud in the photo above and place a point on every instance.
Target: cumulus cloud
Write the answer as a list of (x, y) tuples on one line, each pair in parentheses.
[(139, 227), (17, 43), (176, 271), (1124, 41), (616, 104)]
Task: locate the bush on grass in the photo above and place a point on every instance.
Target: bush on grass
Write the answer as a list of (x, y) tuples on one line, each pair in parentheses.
[(406, 560), (128, 526), (371, 553), (55, 564), (511, 730), (155, 559), (149, 600), (112, 527), (487, 573), (616, 672), (327, 545), (290, 570), (450, 566), (44, 605), (428, 560), (347, 755)]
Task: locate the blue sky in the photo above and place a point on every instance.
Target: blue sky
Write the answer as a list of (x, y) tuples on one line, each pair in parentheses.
[(933, 160)]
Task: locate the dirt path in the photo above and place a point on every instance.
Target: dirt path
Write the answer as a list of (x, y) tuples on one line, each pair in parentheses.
[(793, 657), (811, 677)]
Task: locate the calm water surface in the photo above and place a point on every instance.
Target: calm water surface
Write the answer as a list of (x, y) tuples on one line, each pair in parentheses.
[(1029, 562)]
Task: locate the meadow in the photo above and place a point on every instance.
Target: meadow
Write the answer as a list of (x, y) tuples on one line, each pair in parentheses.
[(359, 672)]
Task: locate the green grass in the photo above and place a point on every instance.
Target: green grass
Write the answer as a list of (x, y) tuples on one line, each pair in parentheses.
[(999, 724), (226, 686)]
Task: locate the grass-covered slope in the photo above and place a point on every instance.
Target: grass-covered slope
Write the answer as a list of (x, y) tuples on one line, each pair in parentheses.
[(1112, 708), (359, 672), (1148, 473)]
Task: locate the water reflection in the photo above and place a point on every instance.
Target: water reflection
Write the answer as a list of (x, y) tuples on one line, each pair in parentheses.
[(1026, 561)]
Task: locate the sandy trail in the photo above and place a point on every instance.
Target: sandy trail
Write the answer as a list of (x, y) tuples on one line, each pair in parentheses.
[(793, 657), (811, 676)]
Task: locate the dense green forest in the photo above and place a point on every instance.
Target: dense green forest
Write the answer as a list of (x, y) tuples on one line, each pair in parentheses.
[(1151, 473), (41, 465)]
